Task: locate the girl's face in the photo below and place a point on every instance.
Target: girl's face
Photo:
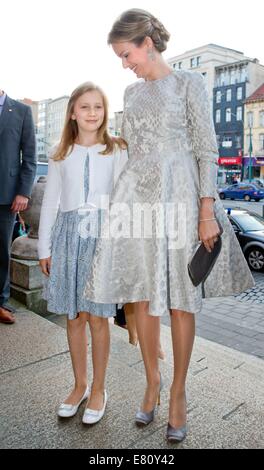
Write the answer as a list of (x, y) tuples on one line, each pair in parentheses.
[(134, 57), (89, 111)]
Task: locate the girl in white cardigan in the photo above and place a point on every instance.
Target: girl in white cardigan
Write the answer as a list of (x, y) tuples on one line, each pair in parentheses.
[(82, 169)]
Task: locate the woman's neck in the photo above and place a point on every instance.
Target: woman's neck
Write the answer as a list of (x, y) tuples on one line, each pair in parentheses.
[(159, 69), (87, 140)]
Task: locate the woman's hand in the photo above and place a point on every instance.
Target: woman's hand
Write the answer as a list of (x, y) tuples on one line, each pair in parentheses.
[(208, 233), (45, 265), (208, 226)]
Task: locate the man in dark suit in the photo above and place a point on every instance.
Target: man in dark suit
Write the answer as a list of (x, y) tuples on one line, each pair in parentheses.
[(17, 172)]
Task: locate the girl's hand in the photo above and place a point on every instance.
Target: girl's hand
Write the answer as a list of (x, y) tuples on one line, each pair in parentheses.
[(208, 233), (45, 264)]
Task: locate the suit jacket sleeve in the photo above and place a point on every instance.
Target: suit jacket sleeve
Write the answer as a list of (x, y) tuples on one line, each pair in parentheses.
[(28, 151), (202, 134)]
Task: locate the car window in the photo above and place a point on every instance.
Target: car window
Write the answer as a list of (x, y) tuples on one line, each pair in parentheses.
[(249, 222), (245, 188), (42, 170)]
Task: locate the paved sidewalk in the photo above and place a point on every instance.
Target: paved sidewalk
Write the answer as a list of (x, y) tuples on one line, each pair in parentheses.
[(236, 322), (256, 294), (225, 393)]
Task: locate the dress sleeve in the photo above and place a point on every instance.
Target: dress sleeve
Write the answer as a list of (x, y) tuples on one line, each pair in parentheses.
[(49, 208), (121, 159), (125, 125), (203, 136)]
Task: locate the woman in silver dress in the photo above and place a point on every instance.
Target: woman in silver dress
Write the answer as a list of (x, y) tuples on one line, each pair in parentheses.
[(172, 164)]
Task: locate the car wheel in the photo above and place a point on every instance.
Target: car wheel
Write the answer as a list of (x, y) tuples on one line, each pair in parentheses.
[(255, 258), (222, 196), (247, 198)]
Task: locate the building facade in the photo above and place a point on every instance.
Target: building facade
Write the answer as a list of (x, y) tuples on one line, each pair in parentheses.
[(42, 130), (204, 60), (233, 84), (254, 134), (34, 108), (56, 112)]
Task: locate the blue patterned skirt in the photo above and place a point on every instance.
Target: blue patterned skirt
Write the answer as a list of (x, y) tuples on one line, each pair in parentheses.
[(71, 260)]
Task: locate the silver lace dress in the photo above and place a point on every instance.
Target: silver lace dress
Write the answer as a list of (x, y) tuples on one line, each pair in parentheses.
[(173, 160)]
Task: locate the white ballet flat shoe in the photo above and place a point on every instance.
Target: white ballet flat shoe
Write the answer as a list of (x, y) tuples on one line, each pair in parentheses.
[(93, 416), (67, 411)]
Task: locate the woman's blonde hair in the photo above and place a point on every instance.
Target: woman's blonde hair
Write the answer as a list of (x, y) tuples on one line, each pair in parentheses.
[(70, 130), (135, 25)]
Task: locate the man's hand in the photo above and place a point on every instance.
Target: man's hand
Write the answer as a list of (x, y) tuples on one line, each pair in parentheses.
[(20, 203), (45, 264)]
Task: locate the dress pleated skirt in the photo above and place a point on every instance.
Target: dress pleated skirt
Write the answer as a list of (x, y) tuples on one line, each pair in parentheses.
[(72, 254)]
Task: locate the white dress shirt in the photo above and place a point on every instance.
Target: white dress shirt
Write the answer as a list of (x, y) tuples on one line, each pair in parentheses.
[(64, 189)]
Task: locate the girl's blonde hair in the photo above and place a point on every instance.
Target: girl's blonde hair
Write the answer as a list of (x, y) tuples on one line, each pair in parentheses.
[(135, 25), (70, 130)]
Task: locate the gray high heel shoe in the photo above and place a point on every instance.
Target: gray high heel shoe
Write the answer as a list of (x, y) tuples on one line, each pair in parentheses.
[(176, 435), (143, 418)]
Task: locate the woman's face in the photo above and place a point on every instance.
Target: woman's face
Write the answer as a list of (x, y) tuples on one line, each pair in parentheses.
[(134, 57), (89, 111)]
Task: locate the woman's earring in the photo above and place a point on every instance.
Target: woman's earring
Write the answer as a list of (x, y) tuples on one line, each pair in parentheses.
[(151, 54)]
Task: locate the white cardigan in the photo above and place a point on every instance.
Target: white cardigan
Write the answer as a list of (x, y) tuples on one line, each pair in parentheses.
[(65, 186)]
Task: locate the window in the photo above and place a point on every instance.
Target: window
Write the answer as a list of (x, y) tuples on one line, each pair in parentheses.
[(227, 142), (228, 114), (218, 97), (239, 93), (233, 77), (244, 75), (174, 66), (228, 94), (198, 61), (261, 118), (261, 141), (192, 63), (239, 113), (238, 141), (179, 65), (250, 121), (218, 116)]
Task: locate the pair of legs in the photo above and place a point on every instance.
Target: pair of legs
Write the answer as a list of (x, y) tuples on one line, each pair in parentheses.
[(77, 339), (130, 315), (183, 333)]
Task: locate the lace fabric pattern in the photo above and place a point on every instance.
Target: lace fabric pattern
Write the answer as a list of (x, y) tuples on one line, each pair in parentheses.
[(173, 158)]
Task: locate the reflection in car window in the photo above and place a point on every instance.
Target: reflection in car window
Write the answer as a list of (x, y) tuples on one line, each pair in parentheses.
[(249, 222)]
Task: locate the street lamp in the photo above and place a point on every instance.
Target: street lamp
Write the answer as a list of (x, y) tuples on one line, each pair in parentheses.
[(250, 152)]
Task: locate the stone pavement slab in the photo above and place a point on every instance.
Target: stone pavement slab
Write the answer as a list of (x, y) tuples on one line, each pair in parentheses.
[(233, 323)]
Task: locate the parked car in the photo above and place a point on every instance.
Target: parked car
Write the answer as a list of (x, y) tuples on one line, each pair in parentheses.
[(242, 191), (258, 182), (42, 170), (249, 229)]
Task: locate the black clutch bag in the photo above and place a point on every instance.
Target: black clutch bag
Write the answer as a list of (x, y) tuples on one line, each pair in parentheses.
[(203, 262)]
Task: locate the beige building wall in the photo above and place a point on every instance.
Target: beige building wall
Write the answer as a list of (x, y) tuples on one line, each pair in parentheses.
[(56, 112), (254, 113), (204, 60), (34, 108)]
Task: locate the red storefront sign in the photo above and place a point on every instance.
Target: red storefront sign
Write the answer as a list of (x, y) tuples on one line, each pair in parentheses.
[(230, 161)]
